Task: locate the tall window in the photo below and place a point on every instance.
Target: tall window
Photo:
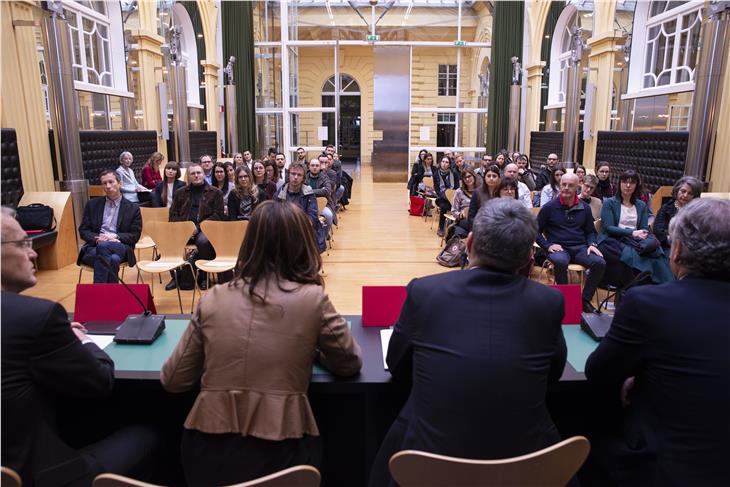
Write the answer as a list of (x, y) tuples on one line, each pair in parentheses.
[(447, 79), (672, 40), (95, 26)]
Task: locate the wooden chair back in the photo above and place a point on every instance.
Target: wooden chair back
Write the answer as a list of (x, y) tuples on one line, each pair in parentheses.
[(450, 194), (656, 200), (226, 237), (184, 175), (9, 477), (428, 181), (170, 237), (535, 210), (64, 250), (551, 467), (153, 215), (321, 203), (299, 476), (599, 225)]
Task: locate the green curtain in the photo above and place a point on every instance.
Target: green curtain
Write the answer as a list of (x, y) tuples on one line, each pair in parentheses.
[(192, 8), (237, 20), (556, 8), (507, 28)]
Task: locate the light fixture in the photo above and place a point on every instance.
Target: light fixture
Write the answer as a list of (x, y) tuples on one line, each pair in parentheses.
[(200, 36)]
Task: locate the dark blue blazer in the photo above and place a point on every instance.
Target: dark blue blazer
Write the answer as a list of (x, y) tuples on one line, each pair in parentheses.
[(157, 193), (129, 225), (675, 339), (43, 362), (479, 347)]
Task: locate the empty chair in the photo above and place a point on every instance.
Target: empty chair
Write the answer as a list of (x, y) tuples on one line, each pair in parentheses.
[(226, 238), (170, 239), (553, 466), (299, 476)]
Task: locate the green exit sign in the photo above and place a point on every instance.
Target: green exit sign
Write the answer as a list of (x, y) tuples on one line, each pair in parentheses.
[(373, 38), (460, 43)]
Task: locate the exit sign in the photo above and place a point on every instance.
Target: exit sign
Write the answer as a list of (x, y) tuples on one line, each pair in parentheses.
[(460, 43), (373, 38)]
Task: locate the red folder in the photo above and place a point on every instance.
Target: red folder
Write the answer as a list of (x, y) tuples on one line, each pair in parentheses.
[(381, 304), (110, 302), (573, 302)]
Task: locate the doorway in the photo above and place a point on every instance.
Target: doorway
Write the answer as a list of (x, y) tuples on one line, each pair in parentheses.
[(349, 120)]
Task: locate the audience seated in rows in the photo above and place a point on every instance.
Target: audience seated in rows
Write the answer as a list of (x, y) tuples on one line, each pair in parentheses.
[(252, 416), (567, 234), (48, 362), (625, 236), (461, 417), (552, 190), (302, 195), (111, 227), (685, 190), (151, 171), (666, 354), (130, 187), (165, 190), (197, 202)]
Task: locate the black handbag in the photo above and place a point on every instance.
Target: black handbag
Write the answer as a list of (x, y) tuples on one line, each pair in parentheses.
[(36, 217)]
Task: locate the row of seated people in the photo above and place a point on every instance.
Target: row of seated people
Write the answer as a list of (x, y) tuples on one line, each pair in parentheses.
[(624, 247), (111, 226), (250, 346)]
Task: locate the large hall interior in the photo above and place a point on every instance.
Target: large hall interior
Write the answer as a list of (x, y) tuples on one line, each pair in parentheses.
[(404, 118)]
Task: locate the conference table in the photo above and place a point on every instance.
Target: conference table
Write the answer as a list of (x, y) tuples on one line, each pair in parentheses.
[(145, 361)]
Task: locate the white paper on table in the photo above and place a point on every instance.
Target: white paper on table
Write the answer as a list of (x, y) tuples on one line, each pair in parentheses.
[(425, 133), (384, 341), (101, 341), (322, 133)]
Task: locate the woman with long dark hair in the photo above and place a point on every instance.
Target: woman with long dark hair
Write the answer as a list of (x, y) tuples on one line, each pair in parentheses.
[(220, 181), (245, 196), (485, 192), (165, 189), (419, 171), (250, 345), (266, 188), (625, 234), (507, 188), (552, 190), (605, 188)]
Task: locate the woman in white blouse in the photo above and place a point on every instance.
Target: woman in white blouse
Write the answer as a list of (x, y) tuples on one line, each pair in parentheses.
[(552, 190), (130, 186)]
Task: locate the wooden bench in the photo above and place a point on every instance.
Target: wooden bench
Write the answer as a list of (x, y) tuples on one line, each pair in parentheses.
[(64, 250)]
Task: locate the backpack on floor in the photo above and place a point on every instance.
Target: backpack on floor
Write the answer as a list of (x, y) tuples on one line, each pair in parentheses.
[(451, 255)]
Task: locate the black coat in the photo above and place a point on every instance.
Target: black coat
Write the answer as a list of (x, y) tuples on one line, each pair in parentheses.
[(674, 338), (479, 347), (661, 223), (157, 193), (437, 182), (129, 225), (43, 361)]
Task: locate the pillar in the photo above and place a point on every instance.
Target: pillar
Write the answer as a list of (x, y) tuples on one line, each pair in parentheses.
[(210, 77), (532, 111)]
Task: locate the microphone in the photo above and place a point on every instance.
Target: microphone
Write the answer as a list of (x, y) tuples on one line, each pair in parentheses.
[(137, 329)]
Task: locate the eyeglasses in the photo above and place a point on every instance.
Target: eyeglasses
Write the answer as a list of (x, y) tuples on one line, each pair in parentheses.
[(26, 243)]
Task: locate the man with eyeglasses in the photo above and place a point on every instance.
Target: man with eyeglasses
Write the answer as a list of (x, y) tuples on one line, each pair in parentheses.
[(206, 162), (543, 175), (46, 360), (486, 162), (111, 227)]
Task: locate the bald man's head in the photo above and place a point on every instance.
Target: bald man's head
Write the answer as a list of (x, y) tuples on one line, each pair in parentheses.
[(569, 186), (511, 170)]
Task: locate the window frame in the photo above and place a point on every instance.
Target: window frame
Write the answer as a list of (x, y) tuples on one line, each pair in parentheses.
[(449, 77)]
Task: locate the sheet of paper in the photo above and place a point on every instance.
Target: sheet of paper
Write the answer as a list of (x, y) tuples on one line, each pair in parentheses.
[(384, 341), (425, 133), (101, 340), (322, 133)]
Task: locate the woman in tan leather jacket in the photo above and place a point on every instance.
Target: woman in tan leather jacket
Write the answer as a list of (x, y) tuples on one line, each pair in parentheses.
[(251, 344)]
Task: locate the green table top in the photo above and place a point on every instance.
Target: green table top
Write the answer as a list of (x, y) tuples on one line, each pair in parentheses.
[(145, 361)]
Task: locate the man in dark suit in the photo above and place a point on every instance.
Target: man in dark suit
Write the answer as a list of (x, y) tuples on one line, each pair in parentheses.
[(44, 360), (668, 354), (111, 227), (480, 346)]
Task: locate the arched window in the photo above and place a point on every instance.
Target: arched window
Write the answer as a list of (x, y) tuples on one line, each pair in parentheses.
[(665, 46), (348, 86), (95, 27), (189, 52), (561, 47)]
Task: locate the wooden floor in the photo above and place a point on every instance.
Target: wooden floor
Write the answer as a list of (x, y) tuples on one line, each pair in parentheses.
[(377, 243)]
